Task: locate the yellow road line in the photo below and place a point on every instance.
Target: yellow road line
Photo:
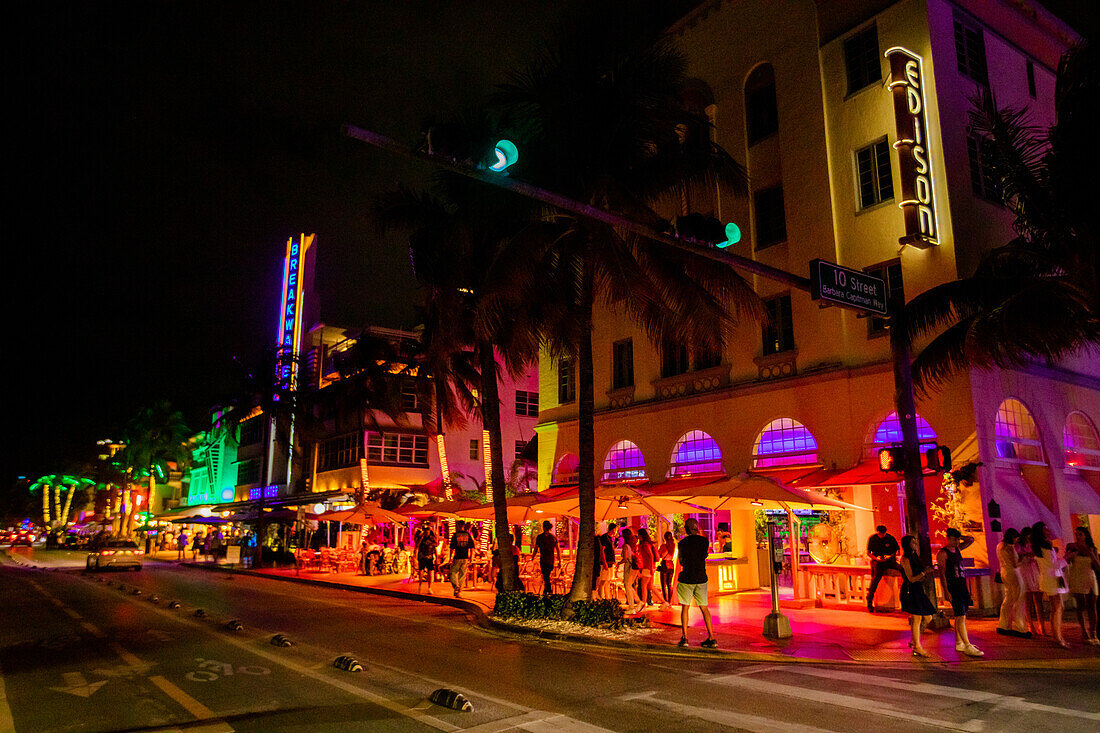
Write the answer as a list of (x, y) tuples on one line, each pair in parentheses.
[(188, 703), (126, 656)]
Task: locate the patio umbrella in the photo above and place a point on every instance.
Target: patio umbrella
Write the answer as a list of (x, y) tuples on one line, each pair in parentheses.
[(748, 490), (369, 513), (617, 501), (437, 508), (522, 508)]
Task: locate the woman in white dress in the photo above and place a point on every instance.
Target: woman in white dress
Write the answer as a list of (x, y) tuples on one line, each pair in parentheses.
[(1052, 581), (1012, 608), (1081, 563), (1027, 571)]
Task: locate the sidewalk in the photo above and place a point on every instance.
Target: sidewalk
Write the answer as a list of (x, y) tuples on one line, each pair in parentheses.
[(820, 634)]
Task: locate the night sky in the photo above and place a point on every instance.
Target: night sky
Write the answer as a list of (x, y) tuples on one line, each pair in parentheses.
[(162, 154)]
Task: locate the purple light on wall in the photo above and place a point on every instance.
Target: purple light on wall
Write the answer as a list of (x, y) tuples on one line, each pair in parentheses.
[(784, 442), (624, 462), (889, 430), (696, 452)]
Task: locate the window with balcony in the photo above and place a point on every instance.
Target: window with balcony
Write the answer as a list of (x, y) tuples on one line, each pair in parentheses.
[(778, 329), (622, 364), (674, 359), (761, 111)]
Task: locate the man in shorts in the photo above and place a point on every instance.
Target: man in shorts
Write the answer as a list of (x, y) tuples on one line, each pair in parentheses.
[(691, 581)]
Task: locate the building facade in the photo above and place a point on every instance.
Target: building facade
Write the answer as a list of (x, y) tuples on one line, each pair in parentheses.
[(851, 118)]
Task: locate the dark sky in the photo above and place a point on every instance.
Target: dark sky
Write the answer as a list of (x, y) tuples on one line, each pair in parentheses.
[(163, 153)]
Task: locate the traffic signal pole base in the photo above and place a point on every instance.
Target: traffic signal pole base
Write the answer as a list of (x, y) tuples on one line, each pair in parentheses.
[(777, 626)]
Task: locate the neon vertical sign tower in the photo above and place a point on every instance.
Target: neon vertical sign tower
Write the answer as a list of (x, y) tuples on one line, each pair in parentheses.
[(297, 288)]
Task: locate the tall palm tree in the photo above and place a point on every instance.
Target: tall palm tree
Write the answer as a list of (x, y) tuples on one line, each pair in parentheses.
[(154, 437), (460, 253), (604, 125), (1038, 296)]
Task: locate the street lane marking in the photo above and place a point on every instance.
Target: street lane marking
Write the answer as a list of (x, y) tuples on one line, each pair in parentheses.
[(767, 687), (95, 631), (71, 613), (76, 684), (189, 703), (728, 718), (537, 721), (960, 693), (7, 722), (131, 659)]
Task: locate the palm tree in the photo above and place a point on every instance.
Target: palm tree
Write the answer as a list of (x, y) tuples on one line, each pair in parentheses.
[(460, 254), (154, 437), (604, 125), (1037, 297), (54, 515)]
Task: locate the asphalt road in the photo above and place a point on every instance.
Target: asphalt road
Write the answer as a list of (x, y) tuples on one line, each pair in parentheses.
[(79, 653)]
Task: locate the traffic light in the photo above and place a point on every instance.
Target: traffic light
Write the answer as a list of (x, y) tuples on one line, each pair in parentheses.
[(506, 154), (733, 235), (892, 459), (938, 459)]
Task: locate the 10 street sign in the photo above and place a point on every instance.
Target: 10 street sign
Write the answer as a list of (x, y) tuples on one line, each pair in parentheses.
[(849, 288)]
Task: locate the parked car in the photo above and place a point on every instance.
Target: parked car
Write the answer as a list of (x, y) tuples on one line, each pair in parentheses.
[(22, 537), (115, 553)]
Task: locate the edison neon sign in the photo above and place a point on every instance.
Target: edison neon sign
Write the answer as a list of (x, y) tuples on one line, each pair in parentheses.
[(917, 191), (289, 339)]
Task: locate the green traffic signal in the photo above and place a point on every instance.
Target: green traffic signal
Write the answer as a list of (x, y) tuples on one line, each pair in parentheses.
[(506, 155)]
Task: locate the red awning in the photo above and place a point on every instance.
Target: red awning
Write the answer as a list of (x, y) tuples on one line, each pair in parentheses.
[(862, 474)]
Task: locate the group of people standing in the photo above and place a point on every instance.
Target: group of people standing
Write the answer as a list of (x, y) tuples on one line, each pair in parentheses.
[(1036, 572), (640, 560)]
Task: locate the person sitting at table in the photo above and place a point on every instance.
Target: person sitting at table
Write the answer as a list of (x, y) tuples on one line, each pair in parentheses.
[(882, 549)]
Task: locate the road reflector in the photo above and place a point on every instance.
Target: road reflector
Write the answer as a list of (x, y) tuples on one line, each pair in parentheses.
[(451, 699)]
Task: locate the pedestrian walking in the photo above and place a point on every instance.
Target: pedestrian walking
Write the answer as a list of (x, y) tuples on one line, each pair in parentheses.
[(462, 542), (1028, 573), (181, 545), (691, 582), (1011, 621), (1052, 581), (546, 547), (1082, 562), (955, 591), (666, 556), (196, 545), (882, 549), (914, 600)]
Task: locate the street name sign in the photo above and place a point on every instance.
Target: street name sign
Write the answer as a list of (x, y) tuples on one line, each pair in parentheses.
[(847, 287)]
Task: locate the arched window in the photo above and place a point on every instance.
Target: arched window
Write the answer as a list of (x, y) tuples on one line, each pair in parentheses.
[(1016, 434), (565, 472), (696, 452), (1080, 443), (784, 442), (624, 462), (761, 112), (888, 432)]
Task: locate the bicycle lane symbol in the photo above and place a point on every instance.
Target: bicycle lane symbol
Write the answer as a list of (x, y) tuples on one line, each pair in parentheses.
[(211, 670)]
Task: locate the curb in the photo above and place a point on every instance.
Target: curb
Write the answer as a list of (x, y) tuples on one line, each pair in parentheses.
[(469, 607), (482, 619)]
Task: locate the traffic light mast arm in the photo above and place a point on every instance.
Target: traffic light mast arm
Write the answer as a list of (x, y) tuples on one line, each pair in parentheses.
[(581, 209)]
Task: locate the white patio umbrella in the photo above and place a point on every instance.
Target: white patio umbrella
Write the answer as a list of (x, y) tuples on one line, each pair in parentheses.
[(617, 501), (753, 490), (522, 508)]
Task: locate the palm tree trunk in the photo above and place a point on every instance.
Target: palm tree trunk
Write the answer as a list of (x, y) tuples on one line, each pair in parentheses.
[(68, 504), (490, 417), (581, 589), (56, 501), (46, 506)]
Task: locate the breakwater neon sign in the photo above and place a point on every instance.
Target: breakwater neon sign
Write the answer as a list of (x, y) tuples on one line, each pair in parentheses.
[(289, 338), (917, 191)]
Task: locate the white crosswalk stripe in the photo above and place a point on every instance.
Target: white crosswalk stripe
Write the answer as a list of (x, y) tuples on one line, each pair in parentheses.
[(725, 718)]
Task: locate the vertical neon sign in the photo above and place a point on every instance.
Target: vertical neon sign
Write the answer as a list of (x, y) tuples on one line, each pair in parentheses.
[(289, 338), (918, 198)]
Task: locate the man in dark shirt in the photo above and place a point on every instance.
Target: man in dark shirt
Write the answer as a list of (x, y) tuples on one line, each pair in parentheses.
[(691, 580), (882, 549), (605, 549), (546, 547), (461, 544)]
